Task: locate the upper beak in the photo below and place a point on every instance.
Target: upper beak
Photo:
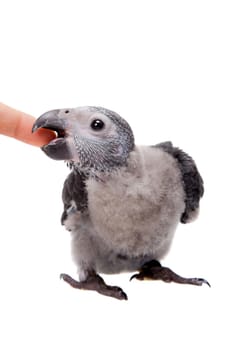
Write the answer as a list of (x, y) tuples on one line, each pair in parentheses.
[(49, 120), (59, 147)]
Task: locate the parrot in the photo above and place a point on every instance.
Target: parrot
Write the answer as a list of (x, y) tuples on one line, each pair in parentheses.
[(122, 201)]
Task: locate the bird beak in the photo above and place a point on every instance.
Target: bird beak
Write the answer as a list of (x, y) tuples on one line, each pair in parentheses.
[(58, 148)]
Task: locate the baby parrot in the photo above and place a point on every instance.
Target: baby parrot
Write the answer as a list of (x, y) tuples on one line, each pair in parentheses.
[(122, 202)]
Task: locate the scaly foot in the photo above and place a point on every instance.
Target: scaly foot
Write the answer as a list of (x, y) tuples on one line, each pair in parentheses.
[(153, 270), (96, 283)]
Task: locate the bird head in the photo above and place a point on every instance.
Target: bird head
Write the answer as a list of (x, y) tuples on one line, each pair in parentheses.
[(90, 138)]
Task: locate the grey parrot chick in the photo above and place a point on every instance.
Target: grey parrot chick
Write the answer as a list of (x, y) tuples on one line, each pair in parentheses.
[(122, 202)]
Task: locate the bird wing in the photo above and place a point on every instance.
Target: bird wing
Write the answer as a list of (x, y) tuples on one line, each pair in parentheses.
[(192, 180), (74, 193)]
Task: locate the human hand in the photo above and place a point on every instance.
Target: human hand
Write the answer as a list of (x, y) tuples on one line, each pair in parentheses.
[(18, 125)]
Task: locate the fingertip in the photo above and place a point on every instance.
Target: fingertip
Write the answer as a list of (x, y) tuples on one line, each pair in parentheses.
[(42, 137)]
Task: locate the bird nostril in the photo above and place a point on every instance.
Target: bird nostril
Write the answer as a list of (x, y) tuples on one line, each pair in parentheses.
[(67, 111)]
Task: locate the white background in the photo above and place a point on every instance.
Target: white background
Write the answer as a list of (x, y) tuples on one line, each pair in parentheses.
[(166, 67)]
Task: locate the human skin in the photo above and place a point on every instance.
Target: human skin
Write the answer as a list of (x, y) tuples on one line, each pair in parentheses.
[(17, 124)]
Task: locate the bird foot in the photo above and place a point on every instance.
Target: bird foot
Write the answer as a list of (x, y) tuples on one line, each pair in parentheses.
[(153, 270), (96, 283)]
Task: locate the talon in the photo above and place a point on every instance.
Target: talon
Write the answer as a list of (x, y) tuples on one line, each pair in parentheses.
[(122, 295), (62, 276), (139, 276), (134, 276), (201, 281), (65, 277), (206, 282)]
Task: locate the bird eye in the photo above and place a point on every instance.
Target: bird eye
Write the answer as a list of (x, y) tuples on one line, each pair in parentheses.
[(97, 124)]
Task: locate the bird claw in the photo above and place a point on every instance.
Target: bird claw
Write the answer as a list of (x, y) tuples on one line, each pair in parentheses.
[(200, 282), (154, 271), (136, 276), (115, 292), (96, 283)]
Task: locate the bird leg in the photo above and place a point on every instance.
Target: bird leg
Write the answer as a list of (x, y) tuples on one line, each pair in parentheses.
[(153, 270), (96, 283)]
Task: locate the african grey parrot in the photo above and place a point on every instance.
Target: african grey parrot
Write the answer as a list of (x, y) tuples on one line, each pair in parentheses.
[(122, 202)]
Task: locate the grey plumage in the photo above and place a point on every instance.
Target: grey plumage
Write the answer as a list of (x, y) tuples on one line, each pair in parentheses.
[(122, 202), (192, 180)]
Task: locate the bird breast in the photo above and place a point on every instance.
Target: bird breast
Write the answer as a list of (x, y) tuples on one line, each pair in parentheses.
[(136, 209)]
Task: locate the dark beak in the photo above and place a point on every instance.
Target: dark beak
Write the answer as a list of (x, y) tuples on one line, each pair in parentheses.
[(58, 148)]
